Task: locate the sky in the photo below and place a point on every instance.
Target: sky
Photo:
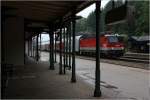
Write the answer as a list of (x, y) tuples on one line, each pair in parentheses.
[(84, 13)]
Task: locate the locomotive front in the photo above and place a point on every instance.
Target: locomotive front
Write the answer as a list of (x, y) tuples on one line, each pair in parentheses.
[(111, 46)]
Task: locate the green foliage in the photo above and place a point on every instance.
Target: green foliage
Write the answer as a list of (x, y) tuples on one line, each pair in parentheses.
[(142, 17), (91, 22), (141, 25), (81, 25)]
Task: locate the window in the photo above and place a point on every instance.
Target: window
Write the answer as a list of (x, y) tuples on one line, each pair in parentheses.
[(112, 39)]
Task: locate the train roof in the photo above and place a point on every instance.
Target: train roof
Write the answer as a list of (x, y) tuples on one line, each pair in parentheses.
[(107, 33), (88, 36)]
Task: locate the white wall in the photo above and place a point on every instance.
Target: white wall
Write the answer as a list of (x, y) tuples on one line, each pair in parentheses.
[(14, 40)]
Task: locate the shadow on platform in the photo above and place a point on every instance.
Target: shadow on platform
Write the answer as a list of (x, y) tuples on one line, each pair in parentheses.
[(36, 81)]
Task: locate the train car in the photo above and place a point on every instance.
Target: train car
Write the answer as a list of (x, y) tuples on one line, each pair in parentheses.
[(45, 47), (109, 45), (77, 44), (58, 45)]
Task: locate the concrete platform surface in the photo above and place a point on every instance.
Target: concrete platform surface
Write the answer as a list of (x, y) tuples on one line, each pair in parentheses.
[(36, 81)]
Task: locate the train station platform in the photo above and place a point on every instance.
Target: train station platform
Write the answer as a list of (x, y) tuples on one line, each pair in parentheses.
[(36, 81)]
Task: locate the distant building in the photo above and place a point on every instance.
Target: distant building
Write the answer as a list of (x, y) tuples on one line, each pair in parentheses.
[(139, 44)]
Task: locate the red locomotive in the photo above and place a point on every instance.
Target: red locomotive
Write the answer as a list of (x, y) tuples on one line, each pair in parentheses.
[(109, 45), (86, 44)]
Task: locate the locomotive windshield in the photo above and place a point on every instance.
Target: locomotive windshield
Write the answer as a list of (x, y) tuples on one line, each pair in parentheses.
[(112, 39)]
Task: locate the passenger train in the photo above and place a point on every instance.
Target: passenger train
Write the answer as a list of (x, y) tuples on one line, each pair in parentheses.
[(86, 44)]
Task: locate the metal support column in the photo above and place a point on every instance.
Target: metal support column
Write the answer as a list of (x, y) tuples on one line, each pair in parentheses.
[(64, 47), (28, 47), (67, 46), (51, 49), (40, 44), (60, 51), (34, 47), (54, 42), (37, 46), (97, 92), (50, 57), (69, 33), (31, 48), (55, 46), (73, 78)]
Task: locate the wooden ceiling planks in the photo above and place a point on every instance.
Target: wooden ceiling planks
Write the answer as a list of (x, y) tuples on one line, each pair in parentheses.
[(49, 8), (44, 11)]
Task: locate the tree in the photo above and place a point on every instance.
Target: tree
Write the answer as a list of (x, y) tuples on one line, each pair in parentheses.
[(141, 26), (142, 17), (81, 25), (91, 22)]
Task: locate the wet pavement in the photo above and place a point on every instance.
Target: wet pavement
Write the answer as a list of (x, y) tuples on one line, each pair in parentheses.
[(130, 82), (34, 80)]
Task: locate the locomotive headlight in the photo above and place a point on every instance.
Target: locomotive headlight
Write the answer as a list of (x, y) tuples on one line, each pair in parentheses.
[(122, 48), (104, 45)]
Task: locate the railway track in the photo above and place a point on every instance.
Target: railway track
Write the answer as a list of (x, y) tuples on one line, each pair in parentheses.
[(133, 59), (127, 60), (128, 57), (136, 57)]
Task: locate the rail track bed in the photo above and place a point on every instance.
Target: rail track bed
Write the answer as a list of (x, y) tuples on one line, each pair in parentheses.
[(127, 60), (135, 60)]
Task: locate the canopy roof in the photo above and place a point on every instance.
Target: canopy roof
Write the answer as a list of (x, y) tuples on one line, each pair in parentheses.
[(39, 14), (43, 11)]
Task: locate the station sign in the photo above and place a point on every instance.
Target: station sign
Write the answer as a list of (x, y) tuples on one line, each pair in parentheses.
[(121, 14)]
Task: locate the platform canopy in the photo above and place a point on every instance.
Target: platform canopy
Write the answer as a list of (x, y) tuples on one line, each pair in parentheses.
[(42, 11), (39, 14)]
